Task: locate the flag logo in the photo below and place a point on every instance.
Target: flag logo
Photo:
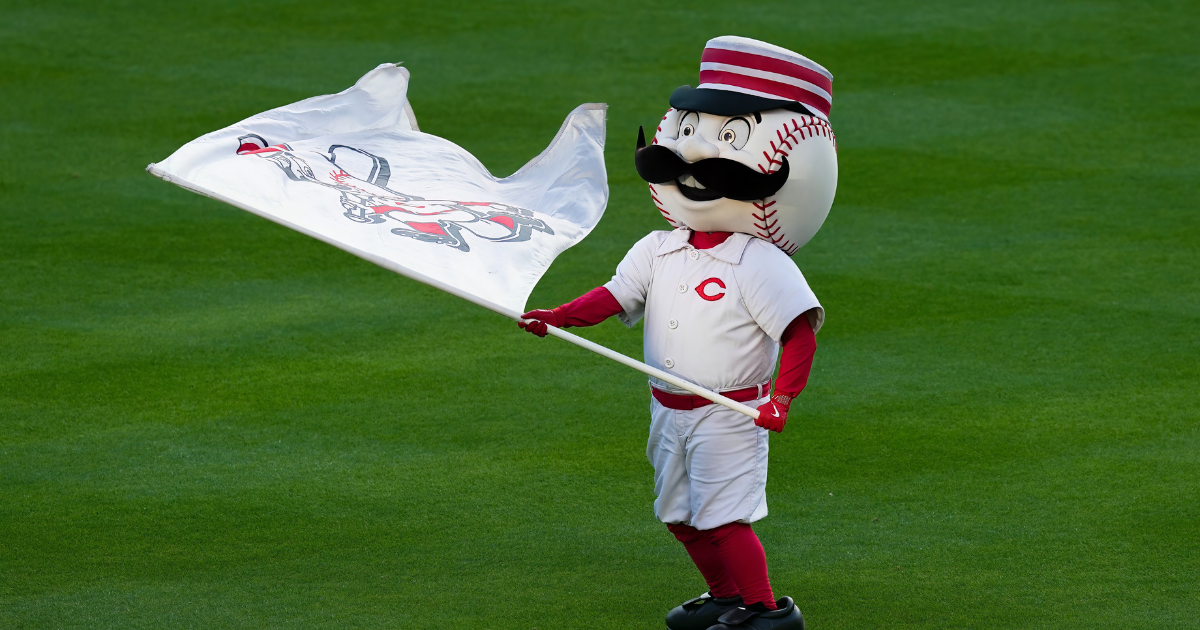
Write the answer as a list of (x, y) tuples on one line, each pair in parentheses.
[(362, 179)]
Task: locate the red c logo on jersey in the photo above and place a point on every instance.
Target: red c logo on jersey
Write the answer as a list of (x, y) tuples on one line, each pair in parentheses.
[(711, 297)]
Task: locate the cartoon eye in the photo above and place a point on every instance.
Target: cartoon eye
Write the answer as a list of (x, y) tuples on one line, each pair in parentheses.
[(736, 132), (687, 124)]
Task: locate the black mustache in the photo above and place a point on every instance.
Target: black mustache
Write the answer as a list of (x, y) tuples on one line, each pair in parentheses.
[(720, 177)]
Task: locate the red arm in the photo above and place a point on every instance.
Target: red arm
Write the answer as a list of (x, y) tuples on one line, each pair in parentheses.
[(799, 345), (589, 309)]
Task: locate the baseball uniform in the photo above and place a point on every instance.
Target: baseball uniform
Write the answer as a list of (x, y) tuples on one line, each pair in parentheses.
[(714, 317)]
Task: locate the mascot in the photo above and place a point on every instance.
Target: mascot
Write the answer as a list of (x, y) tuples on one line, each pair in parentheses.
[(744, 168)]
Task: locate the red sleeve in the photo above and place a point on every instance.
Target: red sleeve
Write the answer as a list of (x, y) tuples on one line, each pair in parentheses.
[(799, 345), (589, 309)]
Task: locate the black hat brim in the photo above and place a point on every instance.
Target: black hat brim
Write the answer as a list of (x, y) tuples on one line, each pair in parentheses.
[(727, 103)]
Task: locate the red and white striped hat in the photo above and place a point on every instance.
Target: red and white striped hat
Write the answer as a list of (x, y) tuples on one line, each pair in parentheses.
[(740, 75)]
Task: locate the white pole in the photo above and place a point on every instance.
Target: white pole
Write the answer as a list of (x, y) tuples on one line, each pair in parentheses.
[(154, 170), (656, 373)]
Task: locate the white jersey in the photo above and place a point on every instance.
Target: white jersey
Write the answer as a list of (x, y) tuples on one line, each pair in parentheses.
[(713, 316)]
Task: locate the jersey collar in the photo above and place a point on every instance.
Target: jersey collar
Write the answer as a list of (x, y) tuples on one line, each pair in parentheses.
[(730, 251)]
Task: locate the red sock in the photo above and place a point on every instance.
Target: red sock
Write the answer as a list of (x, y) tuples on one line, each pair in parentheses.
[(705, 555), (744, 559)]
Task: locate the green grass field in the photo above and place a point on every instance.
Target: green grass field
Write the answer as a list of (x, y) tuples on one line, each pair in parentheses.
[(210, 421)]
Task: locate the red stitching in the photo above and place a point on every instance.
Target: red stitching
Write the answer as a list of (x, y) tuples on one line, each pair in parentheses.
[(807, 127), (658, 204), (655, 141), (784, 141), (763, 216)]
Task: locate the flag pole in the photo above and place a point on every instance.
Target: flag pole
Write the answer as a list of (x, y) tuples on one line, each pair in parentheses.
[(158, 172), (656, 373)]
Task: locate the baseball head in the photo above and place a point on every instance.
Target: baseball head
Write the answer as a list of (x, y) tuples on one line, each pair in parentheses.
[(760, 160)]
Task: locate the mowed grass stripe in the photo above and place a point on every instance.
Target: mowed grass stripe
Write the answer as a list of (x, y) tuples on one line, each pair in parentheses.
[(209, 421)]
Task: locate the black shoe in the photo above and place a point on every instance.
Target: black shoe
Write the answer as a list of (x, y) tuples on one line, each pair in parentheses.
[(701, 612), (788, 617)]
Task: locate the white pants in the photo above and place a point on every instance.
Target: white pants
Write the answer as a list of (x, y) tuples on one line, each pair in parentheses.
[(710, 465)]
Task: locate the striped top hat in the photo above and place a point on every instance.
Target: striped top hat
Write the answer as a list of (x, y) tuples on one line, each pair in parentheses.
[(740, 76)]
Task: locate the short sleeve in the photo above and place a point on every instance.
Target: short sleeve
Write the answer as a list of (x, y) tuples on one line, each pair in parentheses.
[(774, 291), (632, 280)]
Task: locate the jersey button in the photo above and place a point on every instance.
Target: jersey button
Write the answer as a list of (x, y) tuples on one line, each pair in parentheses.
[(673, 324), (682, 288), (693, 254), (669, 363)]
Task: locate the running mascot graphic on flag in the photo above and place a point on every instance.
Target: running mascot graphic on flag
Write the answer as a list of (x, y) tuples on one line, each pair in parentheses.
[(744, 168), (362, 179)]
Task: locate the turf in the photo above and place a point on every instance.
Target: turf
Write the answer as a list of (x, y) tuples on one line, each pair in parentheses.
[(209, 421)]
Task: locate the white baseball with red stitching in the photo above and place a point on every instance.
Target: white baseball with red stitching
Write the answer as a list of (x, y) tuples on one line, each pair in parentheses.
[(787, 219)]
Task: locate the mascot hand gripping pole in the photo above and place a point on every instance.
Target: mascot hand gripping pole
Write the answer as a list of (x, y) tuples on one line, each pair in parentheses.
[(744, 168)]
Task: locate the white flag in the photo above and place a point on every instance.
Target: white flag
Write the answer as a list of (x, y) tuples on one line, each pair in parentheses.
[(353, 170)]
